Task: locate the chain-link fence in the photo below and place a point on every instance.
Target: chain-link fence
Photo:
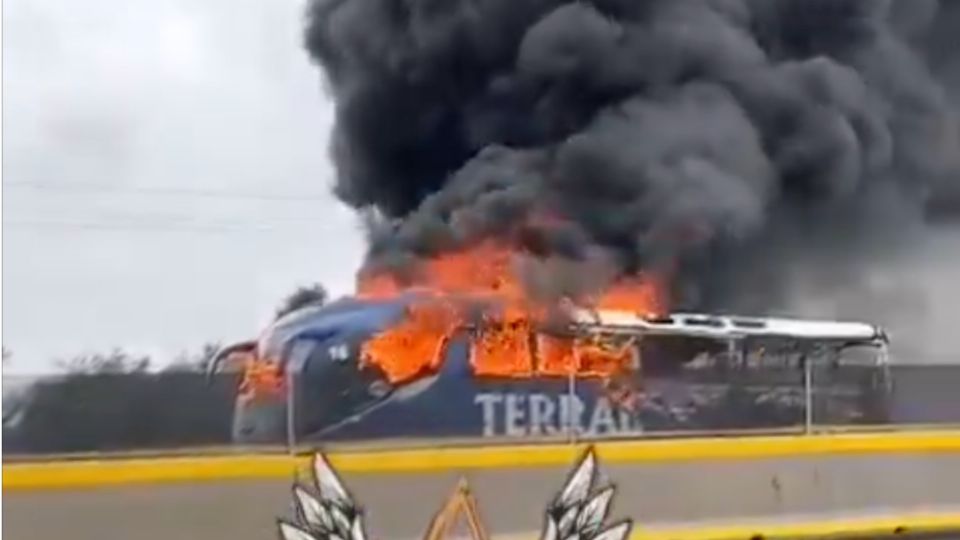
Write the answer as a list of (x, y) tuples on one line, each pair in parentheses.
[(116, 412), (166, 411), (715, 393)]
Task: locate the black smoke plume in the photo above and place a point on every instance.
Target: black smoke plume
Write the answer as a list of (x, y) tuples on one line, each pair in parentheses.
[(724, 141)]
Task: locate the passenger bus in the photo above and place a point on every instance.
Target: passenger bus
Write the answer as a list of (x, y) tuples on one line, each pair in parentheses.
[(305, 380)]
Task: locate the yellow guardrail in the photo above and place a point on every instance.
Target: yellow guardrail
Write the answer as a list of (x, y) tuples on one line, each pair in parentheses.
[(98, 472), (863, 527), (860, 527)]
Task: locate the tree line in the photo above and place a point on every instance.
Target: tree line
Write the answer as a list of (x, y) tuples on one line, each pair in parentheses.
[(116, 400), (121, 361)]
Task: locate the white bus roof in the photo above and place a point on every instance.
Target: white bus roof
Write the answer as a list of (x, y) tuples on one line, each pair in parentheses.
[(729, 326)]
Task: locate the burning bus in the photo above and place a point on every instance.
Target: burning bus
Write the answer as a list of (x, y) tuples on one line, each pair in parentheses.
[(407, 367), (462, 347)]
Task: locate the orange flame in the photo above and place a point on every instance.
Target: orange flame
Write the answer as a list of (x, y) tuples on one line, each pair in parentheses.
[(505, 344), (483, 269), (261, 378), (641, 295), (502, 348), (414, 346)]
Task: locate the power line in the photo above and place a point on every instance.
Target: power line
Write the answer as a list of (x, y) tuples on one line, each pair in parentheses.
[(171, 226), (90, 188)]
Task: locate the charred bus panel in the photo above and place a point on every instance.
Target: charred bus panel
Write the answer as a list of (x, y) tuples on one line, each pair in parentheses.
[(696, 373)]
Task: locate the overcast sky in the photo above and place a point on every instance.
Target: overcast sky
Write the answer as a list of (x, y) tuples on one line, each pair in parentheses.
[(165, 174), (166, 184)]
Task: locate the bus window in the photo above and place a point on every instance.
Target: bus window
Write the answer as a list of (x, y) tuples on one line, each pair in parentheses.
[(669, 354)]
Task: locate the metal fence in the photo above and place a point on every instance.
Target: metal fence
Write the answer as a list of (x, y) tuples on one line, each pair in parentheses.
[(167, 411), (116, 412)]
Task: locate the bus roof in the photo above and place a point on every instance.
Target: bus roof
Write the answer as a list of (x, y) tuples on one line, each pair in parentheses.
[(730, 326)]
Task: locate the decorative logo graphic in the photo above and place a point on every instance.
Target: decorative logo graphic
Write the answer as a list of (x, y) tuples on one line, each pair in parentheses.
[(579, 511)]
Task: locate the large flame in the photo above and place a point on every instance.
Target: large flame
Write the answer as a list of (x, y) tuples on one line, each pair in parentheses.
[(485, 268), (506, 336), (419, 339), (261, 379)]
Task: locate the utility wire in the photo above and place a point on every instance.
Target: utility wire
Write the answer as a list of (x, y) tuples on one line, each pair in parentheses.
[(161, 225), (155, 226), (86, 189)]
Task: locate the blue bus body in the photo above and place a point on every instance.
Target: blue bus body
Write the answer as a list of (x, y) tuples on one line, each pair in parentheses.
[(334, 400)]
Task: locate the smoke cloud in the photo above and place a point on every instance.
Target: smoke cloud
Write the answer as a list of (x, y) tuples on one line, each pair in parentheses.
[(733, 143)]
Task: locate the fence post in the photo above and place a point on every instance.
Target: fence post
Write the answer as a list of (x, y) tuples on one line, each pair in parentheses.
[(571, 400), (807, 395), (291, 418)]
